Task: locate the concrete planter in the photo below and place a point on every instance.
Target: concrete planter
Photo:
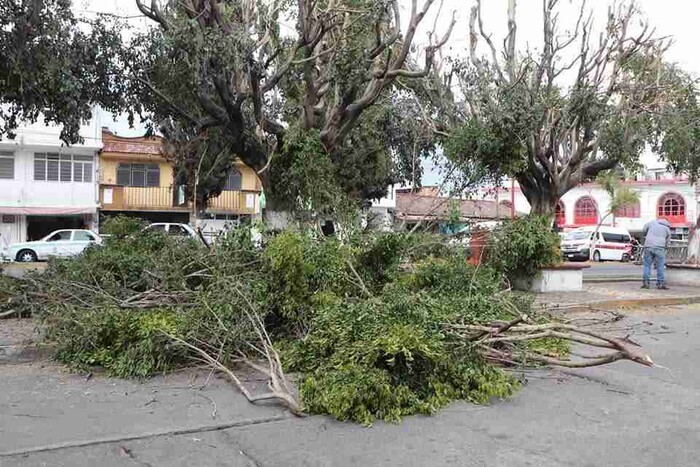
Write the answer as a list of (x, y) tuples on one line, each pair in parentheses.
[(567, 277), (683, 274)]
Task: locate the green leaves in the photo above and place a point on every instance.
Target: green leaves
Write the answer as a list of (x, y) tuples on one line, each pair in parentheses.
[(522, 246), (57, 66)]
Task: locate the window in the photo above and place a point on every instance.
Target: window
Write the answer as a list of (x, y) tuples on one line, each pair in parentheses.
[(7, 219), (62, 167), (83, 236), (234, 181), (629, 210), (177, 230), (615, 238), (145, 175), (577, 235), (157, 228), (62, 236), (560, 214), (672, 207), (7, 166), (585, 211)]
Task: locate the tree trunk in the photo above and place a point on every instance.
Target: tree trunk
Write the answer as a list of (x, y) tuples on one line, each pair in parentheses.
[(542, 202)]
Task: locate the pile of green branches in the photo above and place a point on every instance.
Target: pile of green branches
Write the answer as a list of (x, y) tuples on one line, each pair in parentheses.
[(374, 326)]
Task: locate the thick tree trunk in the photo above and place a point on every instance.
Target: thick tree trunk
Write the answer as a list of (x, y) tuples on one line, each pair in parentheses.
[(542, 202)]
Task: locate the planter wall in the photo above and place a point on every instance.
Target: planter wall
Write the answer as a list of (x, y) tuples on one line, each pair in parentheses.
[(565, 278), (677, 274)]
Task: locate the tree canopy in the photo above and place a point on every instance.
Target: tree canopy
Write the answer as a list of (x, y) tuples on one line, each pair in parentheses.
[(581, 104), (305, 93), (56, 67)]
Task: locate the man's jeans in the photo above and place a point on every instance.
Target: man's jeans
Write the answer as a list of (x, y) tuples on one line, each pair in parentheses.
[(657, 255)]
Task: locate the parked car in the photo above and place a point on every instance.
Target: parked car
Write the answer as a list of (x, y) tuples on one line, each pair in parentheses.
[(609, 244), (61, 243), (174, 229)]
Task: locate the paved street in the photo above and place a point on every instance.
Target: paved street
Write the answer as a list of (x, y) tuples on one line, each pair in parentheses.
[(613, 270), (619, 415)]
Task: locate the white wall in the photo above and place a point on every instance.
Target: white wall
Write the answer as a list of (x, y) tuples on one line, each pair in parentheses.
[(649, 194), (24, 191)]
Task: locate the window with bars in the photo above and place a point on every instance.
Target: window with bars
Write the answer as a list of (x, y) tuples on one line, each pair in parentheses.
[(234, 182), (585, 211), (143, 175), (7, 166), (53, 167), (672, 207)]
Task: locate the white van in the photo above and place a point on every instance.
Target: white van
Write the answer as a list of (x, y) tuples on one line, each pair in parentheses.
[(611, 244)]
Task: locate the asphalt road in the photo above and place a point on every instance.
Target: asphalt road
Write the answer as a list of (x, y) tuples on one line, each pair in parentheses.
[(619, 415), (613, 270)]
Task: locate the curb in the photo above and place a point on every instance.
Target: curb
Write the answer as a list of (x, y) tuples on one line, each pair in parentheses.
[(627, 303), (599, 280)]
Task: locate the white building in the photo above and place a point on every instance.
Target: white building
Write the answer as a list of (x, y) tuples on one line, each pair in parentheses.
[(45, 185), (661, 194)]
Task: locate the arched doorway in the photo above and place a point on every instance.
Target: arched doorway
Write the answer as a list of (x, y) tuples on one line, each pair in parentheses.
[(672, 208), (585, 211)]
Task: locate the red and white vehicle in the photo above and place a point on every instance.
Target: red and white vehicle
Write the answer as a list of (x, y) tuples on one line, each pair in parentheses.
[(609, 244)]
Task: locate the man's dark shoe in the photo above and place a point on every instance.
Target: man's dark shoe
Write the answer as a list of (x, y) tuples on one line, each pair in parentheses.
[(645, 286), (662, 287)]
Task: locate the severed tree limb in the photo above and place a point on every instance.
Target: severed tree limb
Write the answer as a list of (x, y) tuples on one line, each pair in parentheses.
[(285, 398), (498, 341), (5, 314)]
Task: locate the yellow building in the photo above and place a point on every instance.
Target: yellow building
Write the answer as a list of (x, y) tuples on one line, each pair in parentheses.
[(136, 179)]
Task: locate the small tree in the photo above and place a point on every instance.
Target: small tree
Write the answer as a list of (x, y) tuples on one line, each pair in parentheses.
[(620, 196)]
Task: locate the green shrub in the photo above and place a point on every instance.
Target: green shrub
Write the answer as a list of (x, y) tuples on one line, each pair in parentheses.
[(127, 343), (522, 246), (122, 226)]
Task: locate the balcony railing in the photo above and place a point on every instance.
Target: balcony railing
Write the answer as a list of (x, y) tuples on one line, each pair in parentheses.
[(136, 198), (238, 202), (131, 198)]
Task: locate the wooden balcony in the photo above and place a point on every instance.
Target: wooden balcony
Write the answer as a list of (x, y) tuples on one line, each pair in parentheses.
[(132, 198), (236, 202)]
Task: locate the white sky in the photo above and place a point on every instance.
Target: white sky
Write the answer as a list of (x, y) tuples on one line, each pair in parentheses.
[(676, 18)]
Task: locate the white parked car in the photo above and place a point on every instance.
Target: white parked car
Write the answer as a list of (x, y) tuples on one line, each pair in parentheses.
[(61, 243), (610, 244), (174, 229)]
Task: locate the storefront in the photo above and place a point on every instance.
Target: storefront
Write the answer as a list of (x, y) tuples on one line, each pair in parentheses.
[(33, 223)]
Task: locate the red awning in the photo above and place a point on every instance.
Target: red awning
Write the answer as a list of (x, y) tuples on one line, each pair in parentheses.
[(48, 211)]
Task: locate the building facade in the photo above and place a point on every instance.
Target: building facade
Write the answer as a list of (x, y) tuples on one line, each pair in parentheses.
[(45, 185), (660, 195), (136, 179)]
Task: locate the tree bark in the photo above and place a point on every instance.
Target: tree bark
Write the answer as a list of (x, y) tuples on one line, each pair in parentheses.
[(543, 200)]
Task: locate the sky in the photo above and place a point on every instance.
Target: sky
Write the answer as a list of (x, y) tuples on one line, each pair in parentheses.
[(674, 18)]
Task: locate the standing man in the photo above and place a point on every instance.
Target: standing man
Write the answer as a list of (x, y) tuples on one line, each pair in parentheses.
[(657, 234)]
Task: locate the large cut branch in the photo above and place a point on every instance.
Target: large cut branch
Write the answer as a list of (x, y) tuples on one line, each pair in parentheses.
[(500, 339)]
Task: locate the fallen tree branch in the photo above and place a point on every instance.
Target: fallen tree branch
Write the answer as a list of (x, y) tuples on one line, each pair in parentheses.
[(286, 399), (5, 314), (498, 342)]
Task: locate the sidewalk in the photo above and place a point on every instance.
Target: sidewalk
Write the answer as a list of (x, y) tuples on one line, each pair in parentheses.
[(619, 295)]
